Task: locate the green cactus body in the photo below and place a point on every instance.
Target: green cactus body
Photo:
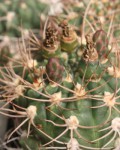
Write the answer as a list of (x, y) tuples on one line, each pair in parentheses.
[(64, 100)]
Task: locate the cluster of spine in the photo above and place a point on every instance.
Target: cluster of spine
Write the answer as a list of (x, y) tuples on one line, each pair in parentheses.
[(66, 97)]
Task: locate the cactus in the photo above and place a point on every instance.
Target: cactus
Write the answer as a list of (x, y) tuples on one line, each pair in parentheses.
[(66, 97)]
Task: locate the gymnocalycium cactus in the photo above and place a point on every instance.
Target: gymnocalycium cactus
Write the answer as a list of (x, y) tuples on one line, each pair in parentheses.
[(67, 98)]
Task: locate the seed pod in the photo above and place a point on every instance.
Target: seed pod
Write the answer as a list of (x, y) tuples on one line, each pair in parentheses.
[(101, 42), (55, 70)]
